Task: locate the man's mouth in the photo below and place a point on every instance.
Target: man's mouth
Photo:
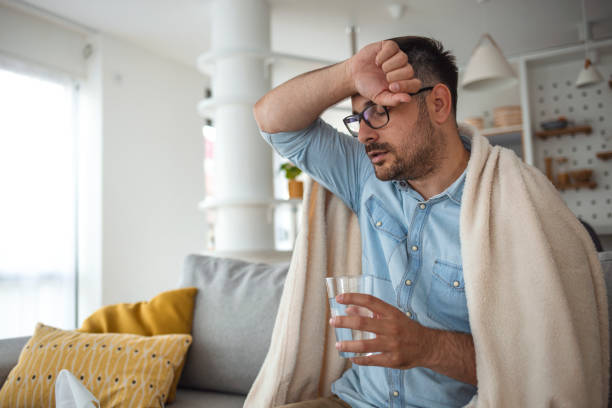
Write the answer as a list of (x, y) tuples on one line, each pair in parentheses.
[(377, 157)]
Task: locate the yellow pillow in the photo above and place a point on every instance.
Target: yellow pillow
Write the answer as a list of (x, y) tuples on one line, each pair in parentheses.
[(167, 313), (118, 369)]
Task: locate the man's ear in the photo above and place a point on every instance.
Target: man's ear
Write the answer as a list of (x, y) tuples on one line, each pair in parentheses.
[(440, 104)]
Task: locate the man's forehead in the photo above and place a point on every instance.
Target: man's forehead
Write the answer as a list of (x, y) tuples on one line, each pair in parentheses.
[(359, 103)]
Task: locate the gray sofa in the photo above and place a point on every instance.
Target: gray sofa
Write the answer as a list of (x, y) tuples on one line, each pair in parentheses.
[(234, 315)]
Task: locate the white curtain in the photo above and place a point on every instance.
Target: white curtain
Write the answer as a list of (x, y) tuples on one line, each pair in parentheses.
[(37, 200)]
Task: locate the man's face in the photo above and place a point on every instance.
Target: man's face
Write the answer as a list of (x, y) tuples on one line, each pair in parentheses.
[(407, 148)]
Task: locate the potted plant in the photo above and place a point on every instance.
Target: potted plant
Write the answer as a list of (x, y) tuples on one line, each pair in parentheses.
[(296, 188)]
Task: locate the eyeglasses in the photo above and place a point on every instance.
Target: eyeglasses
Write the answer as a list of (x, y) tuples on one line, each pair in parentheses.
[(375, 116)]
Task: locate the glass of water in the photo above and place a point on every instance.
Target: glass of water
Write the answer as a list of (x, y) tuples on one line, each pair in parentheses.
[(349, 284)]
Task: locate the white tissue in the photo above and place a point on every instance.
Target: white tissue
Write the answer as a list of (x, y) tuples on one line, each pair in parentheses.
[(70, 393)]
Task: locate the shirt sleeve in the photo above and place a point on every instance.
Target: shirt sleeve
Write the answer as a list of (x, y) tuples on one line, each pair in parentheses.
[(336, 160)]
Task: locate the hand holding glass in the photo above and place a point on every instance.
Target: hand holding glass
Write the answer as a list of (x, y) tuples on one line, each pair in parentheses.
[(349, 284)]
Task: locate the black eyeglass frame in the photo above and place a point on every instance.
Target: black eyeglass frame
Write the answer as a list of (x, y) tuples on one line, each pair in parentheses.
[(357, 117)]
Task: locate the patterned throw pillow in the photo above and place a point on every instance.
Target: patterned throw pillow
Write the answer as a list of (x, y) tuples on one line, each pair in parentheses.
[(118, 369), (169, 312)]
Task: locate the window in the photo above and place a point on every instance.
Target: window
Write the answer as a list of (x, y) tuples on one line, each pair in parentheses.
[(37, 203)]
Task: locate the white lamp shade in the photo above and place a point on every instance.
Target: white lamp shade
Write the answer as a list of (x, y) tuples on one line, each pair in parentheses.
[(487, 67), (589, 75)]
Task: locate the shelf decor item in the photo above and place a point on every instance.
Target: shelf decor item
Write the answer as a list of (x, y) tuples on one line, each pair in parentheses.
[(604, 155), (487, 67), (581, 176), (477, 122), (560, 123), (296, 187), (507, 116)]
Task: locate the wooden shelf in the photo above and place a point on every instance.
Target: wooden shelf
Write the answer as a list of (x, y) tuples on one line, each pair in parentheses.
[(604, 155), (583, 184), (544, 134)]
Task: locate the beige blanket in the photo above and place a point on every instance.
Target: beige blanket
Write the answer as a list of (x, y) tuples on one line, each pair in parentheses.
[(534, 286), (302, 361)]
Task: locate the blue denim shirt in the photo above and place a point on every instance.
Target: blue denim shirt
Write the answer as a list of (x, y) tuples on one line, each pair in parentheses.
[(410, 246)]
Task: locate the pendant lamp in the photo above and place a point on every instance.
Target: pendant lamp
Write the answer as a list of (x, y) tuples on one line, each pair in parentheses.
[(487, 67), (588, 75)]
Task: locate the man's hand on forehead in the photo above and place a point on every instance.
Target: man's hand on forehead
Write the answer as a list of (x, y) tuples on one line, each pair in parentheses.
[(383, 74)]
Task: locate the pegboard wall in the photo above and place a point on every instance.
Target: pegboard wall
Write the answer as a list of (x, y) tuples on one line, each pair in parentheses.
[(553, 93)]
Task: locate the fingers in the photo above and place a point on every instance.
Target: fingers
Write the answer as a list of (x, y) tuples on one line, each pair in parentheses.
[(406, 86), (388, 98), (387, 50), (358, 311), (370, 302), (380, 360), (356, 323), (399, 73), (402, 73), (363, 323), (397, 61), (360, 346)]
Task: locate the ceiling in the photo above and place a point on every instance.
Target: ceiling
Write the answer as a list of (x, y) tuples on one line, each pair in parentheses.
[(180, 29)]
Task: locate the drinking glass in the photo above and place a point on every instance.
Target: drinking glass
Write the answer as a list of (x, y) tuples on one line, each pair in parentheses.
[(349, 284)]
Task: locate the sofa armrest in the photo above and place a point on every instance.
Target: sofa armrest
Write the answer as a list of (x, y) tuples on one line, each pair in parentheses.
[(9, 354)]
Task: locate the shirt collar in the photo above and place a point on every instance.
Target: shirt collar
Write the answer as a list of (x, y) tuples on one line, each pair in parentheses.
[(455, 191)]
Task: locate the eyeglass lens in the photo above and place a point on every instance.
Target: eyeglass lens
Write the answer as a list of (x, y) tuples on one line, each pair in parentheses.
[(375, 116)]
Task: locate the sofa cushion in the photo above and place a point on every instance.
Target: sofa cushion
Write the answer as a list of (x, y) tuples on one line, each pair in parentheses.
[(233, 318), (113, 367), (209, 399), (9, 355), (170, 312)]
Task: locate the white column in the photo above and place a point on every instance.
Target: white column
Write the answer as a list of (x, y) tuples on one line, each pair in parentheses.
[(243, 175)]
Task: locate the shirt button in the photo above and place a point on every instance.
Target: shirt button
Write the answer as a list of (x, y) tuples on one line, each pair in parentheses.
[(422, 206), (395, 393), (456, 284), (415, 248), (379, 223), (409, 314), (408, 282)]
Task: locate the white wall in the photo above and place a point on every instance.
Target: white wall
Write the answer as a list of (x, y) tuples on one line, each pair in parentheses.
[(152, 172)]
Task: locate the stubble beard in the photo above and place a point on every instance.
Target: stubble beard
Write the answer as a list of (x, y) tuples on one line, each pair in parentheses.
[(416, 157)]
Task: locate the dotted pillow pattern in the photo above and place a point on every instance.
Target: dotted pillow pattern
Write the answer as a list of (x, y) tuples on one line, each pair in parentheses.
[(169, 312), (118, 369)]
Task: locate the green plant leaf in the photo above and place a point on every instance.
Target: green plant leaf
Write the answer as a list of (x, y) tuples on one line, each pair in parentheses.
[(291, 170)]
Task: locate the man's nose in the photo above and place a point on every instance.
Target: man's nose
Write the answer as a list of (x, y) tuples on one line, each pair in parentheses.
[(367, 134)]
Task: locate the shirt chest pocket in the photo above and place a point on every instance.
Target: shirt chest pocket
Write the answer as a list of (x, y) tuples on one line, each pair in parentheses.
[(446, 303), (383, 222)]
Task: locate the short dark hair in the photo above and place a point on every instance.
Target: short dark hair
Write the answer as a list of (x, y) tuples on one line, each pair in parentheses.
[(431, 63)]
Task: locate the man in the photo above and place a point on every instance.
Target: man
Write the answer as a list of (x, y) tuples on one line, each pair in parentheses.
[(403, 173)]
